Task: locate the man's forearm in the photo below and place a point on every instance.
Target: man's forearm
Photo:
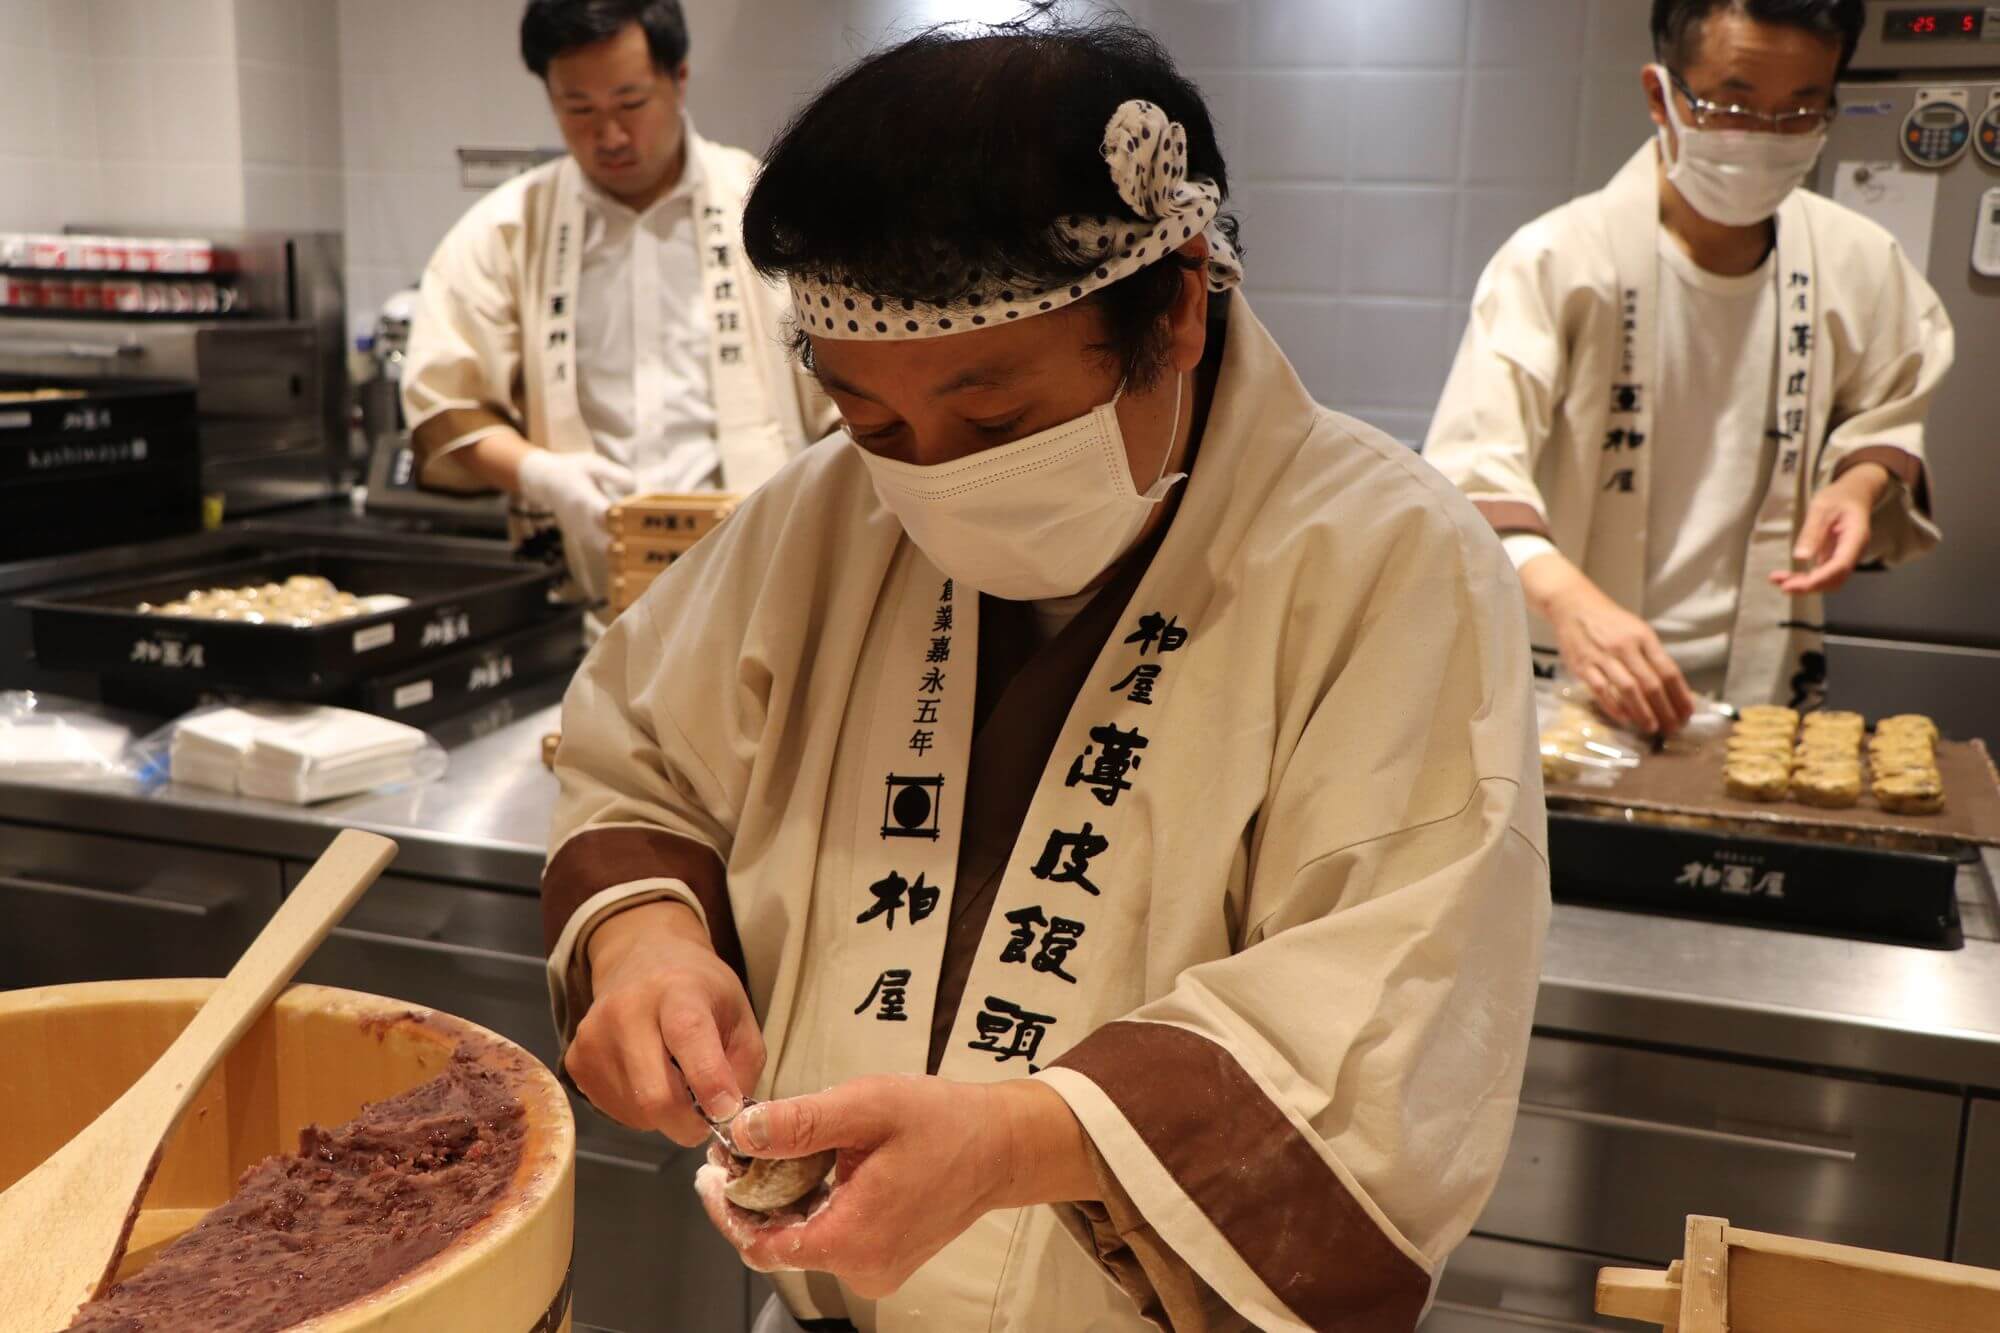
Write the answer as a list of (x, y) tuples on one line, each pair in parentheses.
[(494, 459), (1868, 480), (1547, 580), (626, 930), (1050, 1152)]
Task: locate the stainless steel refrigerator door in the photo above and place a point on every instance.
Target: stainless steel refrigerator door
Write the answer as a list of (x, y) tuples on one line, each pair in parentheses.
[(1894, 630)]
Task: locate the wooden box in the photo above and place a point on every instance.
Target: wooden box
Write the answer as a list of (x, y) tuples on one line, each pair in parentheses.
[(650, 532), (67, 1052), (664, 517), (1737, 1281), (646, 557)]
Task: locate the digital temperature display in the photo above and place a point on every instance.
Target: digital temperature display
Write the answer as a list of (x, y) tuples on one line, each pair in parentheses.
[(1934, 25)]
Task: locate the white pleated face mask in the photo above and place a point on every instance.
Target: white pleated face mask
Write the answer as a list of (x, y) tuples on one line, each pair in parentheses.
[(1735, 177), (1038, 518)]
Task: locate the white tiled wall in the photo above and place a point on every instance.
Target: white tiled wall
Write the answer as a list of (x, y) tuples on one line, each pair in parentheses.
[(118, 110), (47, 161), (1381, 149), (1384, 151), (168, 124), (288, 84), (170, 114)]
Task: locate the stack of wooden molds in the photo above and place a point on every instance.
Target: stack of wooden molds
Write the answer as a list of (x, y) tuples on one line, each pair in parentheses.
[(650, 532)]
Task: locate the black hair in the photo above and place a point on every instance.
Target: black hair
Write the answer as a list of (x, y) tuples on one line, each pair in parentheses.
[(941, 164), (551, 27), (1677, 23)]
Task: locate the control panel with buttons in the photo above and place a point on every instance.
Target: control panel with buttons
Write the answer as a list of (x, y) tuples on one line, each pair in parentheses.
[(1986, 138), (1938, 130)]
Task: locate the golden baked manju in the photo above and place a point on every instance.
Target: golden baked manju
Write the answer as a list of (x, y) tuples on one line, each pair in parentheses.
[(1833, 717), (1910, 793), (1771, 744), (1901, 759), (1829, 786), (1908, 723), (1757, 779)]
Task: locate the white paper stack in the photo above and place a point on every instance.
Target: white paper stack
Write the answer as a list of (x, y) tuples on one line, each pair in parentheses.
[(208, 749), (297, 755), (76, 747)]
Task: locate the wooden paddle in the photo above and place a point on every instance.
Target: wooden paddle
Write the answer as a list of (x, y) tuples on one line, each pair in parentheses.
[(64, 1225)]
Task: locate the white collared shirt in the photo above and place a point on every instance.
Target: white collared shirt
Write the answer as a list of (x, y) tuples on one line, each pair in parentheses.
[(642, 363)]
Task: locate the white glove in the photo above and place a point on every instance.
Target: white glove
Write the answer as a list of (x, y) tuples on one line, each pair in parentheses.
[(579, 489)]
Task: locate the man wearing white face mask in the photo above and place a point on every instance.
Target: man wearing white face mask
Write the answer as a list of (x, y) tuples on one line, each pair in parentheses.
[(1693, 402), (1097, 799)]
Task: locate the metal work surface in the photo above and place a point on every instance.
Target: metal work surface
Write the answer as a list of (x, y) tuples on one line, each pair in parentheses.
[(1889, 1010), (1885, 1009), (484, 822)]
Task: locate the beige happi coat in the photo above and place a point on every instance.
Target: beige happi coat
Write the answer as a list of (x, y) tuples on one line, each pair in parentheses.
[(497, 314), (1546, 421), (1297, 944)]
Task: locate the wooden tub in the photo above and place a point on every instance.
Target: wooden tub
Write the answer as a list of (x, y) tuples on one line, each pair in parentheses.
[(66, 1052)]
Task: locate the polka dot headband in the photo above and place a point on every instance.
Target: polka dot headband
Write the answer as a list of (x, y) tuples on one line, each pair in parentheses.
[(1147, 155)]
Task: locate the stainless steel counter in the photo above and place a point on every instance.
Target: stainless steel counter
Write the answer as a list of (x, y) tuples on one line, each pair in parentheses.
[(1796, 1083), (1899, 1012), (484, 822), (1892, 1011)]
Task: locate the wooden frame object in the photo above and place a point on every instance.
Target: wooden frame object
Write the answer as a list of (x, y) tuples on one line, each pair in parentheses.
[(1736, 1281), (665, 518), (650, 532)]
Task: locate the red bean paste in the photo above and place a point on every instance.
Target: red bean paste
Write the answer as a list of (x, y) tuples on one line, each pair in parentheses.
[(355, 1209)]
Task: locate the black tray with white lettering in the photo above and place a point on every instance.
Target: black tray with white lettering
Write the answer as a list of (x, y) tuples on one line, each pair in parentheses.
[(1894, 890), (469, 677), (420, 696), (453, 603), (116, 461)]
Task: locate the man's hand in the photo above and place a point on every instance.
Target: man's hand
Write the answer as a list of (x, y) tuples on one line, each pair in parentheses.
[(661, 995), (1617, 656), (1835, 532), (579, 489), (920, 1160)]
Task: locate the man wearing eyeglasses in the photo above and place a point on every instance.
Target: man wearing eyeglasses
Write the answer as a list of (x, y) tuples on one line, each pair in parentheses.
[(1693, 402)]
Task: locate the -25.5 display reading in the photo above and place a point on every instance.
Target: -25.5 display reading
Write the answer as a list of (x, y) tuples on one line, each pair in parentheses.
[(1916, 25)]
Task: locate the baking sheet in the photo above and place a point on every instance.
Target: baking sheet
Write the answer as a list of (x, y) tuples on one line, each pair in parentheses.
[(1689, 782)]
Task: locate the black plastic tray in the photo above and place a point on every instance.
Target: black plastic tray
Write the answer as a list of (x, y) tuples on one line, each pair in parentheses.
[(101, 407), (120, 463), (453, 603), (1858, 891), (435, 690), (420, 696)]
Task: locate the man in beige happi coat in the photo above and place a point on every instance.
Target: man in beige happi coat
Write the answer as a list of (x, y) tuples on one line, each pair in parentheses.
[(1694, 401), (592, 328), (1096, 795)]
